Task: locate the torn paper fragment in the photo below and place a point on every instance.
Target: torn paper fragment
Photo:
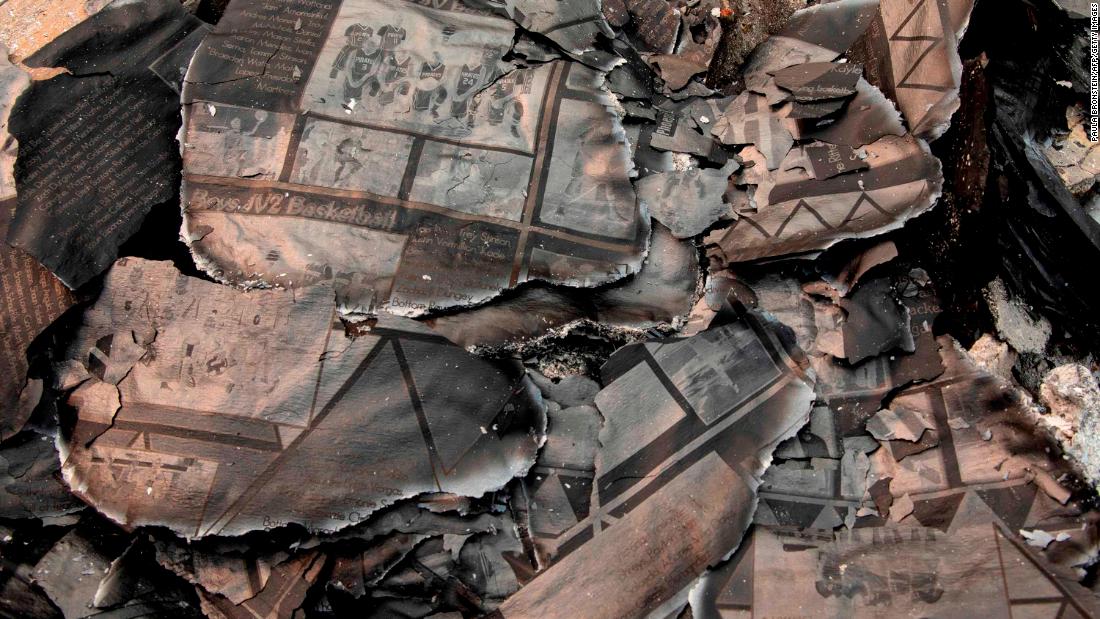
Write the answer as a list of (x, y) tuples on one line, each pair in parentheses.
[(280, 598), (798, 214), (216, 569), (901, 508), (688, 202), (97, 145), (653, 24), (30, 296), (815, 81), (70, 573), (689, 424), (749, 120), (908, 50), (251, 398), (866, 117), (694, 53), (818, 113), (13, 82), (680, 133), (408, 148), (898, 423), (849, 275), (572, 24), (819, 33), (557, 494), (911, 52), (660, 293), (30, 481), (877, 321), (829, 160)]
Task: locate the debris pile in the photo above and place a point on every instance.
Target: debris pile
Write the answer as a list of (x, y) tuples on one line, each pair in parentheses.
[(465, 308)]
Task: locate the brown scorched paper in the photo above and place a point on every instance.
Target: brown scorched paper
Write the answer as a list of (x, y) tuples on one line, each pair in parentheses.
[(389, 147), (208, 406), (689, 428), (30, 296)]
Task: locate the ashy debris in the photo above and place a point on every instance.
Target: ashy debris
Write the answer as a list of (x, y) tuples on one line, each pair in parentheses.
[(1072, 399), (1017, 324), (1074, 155)]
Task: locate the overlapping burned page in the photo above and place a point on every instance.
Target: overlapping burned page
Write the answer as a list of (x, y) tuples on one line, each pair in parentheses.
[(220, 403), (466, 308), (97, 149), (31, 296), (394, 150), (688, 427)]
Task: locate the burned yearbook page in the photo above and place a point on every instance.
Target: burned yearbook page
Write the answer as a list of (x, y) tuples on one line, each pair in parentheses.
[(280, 597), (97, 147), (977, 571), (661, 293), (800, 209), (689, 425), (572, 24), (30, 296), (909, 50), (936, 535), (390, 148), (209, 406)]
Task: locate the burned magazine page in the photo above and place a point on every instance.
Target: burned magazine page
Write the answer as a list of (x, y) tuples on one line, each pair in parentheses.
[(853, 391), (910, 51), (30, 296), (394, 152), (280, 597), (689, 426), (223, 403), (97, 143), (89, 574), (688, 201)]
